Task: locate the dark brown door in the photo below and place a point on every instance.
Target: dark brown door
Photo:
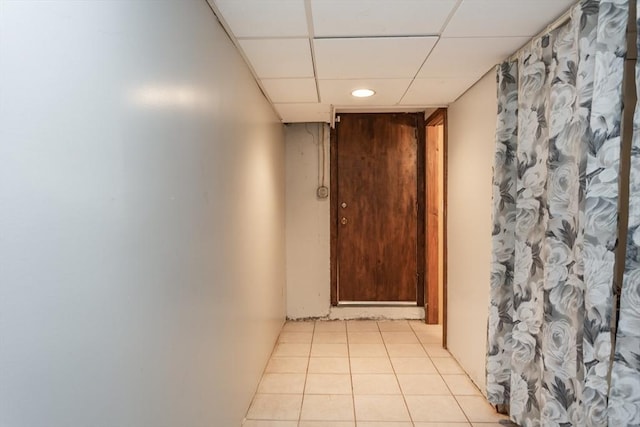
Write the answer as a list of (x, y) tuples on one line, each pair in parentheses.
[(377, 207)]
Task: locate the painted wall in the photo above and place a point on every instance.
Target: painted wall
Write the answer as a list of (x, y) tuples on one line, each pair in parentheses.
[(142, 246), (307, 219), (472, 120)]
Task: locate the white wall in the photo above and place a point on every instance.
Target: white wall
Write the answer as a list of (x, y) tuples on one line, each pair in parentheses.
[(307, 219), (472, 121), (141, 221)]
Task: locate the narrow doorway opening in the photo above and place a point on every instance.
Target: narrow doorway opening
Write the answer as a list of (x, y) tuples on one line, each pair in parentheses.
[(435, 219)]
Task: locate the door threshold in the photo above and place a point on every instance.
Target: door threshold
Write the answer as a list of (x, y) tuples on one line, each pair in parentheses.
[(396, 312), (377, 304)]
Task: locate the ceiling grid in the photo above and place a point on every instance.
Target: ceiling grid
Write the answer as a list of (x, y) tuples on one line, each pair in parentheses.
[(308, 55)]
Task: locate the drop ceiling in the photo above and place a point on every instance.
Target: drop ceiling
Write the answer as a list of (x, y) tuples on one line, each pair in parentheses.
[(308, 55)]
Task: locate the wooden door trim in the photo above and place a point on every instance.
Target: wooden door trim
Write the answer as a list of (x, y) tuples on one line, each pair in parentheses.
[(333, 213), (421, 199), (421, 137), (439, 117)]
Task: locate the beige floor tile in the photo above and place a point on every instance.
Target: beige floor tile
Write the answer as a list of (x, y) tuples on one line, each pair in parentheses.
[(436, 350), (413, 365), (365, 338), (427, 338), (367, 350), (270, 423), (327, 408), (384, 424), (291, 350), (329, 365), (394, 326), (380, 408), (282, 384), (329, 350), (293, 326), (406, 350), (362, 326), (375, 384), (287, 365), (330, 337), (430, 384), (371, 365), (461, 385), (330, 326), (400, 338), (327, 424), (442, 425), (328, 384), (493, 425), (447, 365), (423, 327), (478, 410), (435, 409), (295, 337), (275, 407)]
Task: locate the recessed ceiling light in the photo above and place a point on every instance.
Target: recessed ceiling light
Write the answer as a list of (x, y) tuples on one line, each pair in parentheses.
[(362, 93)]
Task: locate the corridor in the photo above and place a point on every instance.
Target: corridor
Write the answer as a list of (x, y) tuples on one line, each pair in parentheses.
[(373, 373)]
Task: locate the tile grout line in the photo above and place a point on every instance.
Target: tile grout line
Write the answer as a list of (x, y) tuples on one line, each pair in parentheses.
[(353, 395), (395, 374), (306, 374)]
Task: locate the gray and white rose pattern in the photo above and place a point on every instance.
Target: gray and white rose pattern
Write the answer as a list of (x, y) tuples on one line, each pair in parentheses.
[(555, 221), (504, 211)]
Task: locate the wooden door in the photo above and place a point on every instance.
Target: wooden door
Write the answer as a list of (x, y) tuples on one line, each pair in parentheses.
[(377, 227)]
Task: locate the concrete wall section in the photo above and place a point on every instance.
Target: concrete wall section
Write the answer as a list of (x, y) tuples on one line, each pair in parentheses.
[(308, 230)]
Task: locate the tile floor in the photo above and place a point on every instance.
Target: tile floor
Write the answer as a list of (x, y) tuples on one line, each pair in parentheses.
[(366, 374)]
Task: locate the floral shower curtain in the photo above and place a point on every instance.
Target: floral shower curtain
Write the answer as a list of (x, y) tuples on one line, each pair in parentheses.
[(555, 221)]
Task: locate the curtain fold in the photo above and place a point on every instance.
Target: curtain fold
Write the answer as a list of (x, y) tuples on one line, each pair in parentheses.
[(555, 205)]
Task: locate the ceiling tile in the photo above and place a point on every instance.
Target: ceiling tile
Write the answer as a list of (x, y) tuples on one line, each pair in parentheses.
[(296, 113), (338, 92), (265, 18), (291, 90), (339, 18), (504, 18), (279, 58), (385, 57), (468, 57), (436, 91)]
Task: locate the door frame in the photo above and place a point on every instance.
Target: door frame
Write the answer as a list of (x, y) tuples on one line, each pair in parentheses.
[(439, 117), (421, 201)]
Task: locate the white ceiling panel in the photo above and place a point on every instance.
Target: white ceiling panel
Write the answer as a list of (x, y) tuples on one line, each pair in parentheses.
[(279, 58), (383, 57), (338, 92), (340, 18), (291, 90), (504, 18), (468, 57), (296, 113), (265, 18), (436, 91)]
